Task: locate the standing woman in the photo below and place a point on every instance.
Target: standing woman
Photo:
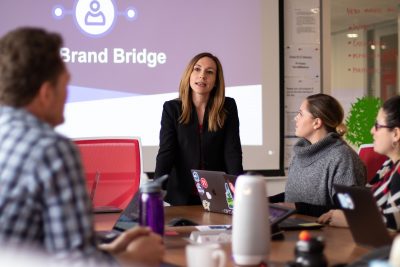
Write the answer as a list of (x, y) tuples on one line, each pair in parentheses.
[(385, 185), (199, 130), (322, 158)]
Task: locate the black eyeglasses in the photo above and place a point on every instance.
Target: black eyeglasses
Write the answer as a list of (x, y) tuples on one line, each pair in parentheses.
[(378, 126)]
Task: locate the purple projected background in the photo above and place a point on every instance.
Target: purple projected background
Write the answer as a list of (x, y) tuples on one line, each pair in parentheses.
[(243, 34), (179, 28)]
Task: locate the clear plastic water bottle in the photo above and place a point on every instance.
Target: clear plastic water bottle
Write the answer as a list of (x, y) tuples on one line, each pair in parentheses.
[(152, 206)]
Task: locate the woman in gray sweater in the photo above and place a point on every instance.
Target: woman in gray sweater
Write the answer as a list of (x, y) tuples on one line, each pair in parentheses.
[(322, 158)]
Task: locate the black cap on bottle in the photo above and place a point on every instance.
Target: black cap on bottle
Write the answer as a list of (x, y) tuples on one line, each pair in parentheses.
[(153, 186)]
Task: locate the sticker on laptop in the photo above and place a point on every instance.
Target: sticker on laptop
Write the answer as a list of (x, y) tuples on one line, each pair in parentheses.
[(203, 183), (229, 196), (199, 188), (196, 176), (232, 187), (206, 205), (227, 211), (345, 201)]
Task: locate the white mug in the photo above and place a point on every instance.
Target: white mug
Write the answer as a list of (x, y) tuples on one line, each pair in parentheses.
[(210, 255)]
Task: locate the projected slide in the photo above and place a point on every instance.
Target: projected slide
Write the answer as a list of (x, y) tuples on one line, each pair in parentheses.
[(126, 59)]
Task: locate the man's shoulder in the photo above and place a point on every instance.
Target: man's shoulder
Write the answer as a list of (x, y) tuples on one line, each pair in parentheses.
[(43, 138), (52, 140)]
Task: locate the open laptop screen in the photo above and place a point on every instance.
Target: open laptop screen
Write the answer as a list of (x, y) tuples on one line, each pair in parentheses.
[(130, 216), (363, 216)]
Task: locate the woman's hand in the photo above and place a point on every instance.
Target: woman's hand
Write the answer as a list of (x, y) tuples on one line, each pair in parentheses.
[(333, 218)]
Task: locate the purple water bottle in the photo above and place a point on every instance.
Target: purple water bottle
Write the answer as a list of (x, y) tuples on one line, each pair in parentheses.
[(152, 207)]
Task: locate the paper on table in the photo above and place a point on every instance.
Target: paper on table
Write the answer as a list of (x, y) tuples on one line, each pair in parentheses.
[(217, 227)]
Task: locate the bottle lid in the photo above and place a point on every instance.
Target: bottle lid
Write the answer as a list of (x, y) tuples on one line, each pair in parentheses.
[(153, 186), (304, 235), (150, 187)]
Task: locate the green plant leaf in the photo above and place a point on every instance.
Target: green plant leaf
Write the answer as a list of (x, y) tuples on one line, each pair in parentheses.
[(360, 120)]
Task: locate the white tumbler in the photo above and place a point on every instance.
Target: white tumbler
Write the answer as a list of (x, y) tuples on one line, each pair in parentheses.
[(250, 227)]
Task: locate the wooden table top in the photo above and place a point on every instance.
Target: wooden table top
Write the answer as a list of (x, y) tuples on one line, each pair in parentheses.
[(339, 245)]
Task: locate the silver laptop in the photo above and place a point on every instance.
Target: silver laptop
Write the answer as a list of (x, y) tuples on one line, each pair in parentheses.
[(363, 216), (216, 190)]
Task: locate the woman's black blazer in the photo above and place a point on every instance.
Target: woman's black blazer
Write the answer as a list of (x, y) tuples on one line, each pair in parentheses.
[(183, 147)]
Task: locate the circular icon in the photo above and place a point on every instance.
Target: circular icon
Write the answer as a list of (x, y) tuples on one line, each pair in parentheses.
[(203, 183), (131, 13), (95, 17), (58, 12)]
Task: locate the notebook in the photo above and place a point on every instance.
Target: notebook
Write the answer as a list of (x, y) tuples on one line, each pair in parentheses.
[(128, 219), (216, 190), (100, 209), (363, 216)]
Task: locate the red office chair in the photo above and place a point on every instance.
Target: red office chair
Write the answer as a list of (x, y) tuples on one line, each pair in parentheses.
[(116, 164), (372, 160)]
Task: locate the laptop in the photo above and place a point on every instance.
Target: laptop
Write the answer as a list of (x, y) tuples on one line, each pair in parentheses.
[(128, 219), (216, 190), (100, 209), (363, 216)]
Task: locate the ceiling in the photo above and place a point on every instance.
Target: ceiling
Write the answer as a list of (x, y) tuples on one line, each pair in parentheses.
[(342, 17)]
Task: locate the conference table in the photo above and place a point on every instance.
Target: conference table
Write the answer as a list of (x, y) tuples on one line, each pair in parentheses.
[(339, 244)]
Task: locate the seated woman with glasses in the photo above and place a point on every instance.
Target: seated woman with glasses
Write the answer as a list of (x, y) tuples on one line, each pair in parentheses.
[(385, 185), (321, 157)]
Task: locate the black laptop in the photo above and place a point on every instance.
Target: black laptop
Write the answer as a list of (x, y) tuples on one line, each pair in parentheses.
[(128, 219), (363, 216)]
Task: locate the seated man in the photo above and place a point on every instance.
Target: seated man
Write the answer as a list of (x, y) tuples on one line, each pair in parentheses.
[(43, 200)]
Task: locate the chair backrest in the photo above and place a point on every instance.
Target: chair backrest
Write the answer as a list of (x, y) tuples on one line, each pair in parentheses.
[(372, 160), (116, 164)]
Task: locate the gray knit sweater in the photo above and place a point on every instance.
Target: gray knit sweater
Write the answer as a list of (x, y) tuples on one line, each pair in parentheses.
[(316, 167)]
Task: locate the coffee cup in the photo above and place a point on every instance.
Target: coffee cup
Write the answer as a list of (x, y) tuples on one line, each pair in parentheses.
[(210, 255)]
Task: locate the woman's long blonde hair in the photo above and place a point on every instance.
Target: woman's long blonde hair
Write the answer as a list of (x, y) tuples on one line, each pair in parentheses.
[(217, 114)]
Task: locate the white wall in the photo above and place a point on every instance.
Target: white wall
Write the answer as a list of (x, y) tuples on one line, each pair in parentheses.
[(347, 82)]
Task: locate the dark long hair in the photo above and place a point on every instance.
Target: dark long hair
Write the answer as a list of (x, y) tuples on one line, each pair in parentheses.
[(391, 107)]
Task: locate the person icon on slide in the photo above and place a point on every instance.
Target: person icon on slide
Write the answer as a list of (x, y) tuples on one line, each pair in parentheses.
[(95, 17)]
